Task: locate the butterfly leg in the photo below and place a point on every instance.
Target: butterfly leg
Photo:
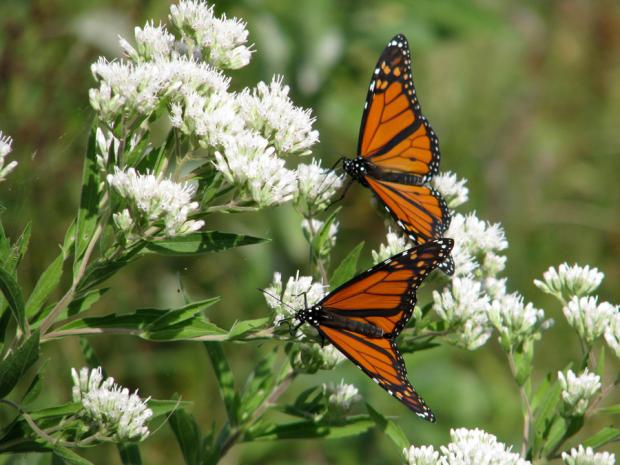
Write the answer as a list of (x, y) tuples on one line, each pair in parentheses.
[(344, 192)]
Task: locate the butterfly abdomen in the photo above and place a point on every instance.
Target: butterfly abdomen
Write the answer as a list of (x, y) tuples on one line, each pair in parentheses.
[(365, 329), (400, 178)]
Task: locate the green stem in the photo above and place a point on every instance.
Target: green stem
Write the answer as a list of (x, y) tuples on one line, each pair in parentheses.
[(238, 432), (526, 407), (66, 299)]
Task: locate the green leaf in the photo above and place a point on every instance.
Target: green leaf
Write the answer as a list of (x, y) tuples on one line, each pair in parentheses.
[(47, 282), (561, 429), (165, 407), (225, 380), (140, 324), (129, 453), (243, 328), (200, 242), (605, 435), (101, 270), (179, 315), (318, 242), (89, 202), (351, 426), (35, 387), (12, 368), (545, 406), (68, 456), (258, 386), (613, 409), (56, 411), (346, 270), (523, 362), (85, 301), (14, 297), (388, 427), (187, 433)]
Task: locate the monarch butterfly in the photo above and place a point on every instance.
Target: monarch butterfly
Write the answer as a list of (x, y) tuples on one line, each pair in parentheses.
[(363, 317), (398, 151)]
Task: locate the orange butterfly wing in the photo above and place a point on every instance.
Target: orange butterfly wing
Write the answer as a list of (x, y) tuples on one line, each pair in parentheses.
[(419, 210), (383, 296), (381, 361), (394, 134)]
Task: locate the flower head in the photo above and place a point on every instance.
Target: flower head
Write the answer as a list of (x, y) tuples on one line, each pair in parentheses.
[(315, 187), (220, 41), (341, 396), (111, 407), (577, 391), (249, 163), (587, 456), (423, 455), (299, 291), (567, 281), (612, 334), (269, 110), (465, 307), (452, 189), (152, 43), (588, 317), (516, 321), (5, 148), (152, 199), (475, 447), (476, 244), (395, 243)]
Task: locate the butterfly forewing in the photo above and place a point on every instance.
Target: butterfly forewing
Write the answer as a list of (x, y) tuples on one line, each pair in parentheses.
[(384, 296), (394, 134)]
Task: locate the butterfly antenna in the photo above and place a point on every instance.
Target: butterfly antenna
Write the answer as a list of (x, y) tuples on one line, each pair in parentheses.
[(266, 292)]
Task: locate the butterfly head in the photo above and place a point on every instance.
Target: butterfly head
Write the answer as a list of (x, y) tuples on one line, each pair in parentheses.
[(356, 168)]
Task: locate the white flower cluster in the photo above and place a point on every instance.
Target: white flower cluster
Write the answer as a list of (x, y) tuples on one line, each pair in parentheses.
[(476, 245), (5, 148), (249, 163), (181, 72), (316, 186), (341, 396), (395, 243), (467, 447), (269, 110), (452, 189), (587, 456), (299, 292), (465, 307), (570, 280), (153, 200), (219, 41), (589, 318), (116, 412), (578, 391), (515, 321)]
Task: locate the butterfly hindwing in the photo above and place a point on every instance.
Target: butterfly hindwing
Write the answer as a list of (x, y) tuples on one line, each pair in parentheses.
[(381, 361), (394, 135)]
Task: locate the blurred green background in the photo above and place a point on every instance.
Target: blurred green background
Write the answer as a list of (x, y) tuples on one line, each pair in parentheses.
[(525, 98)]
